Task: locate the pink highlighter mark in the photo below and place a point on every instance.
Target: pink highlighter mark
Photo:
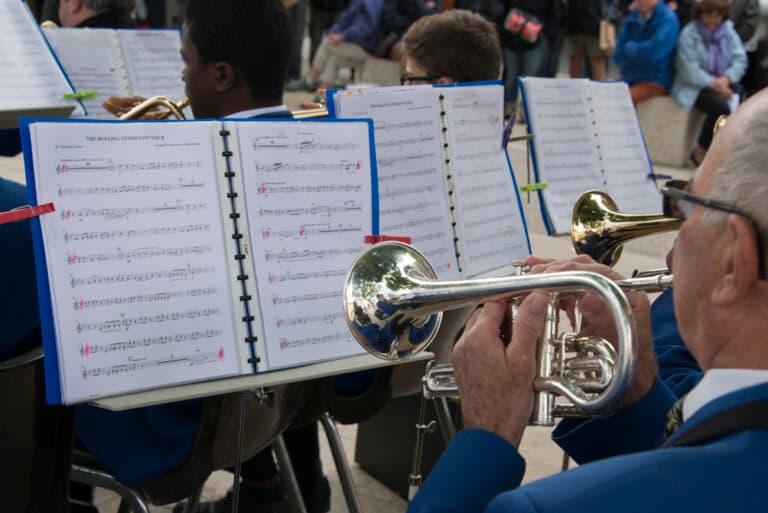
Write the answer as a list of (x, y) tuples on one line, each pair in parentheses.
[(73, 259), (263, 189), (82, 303), (301, 231), (284, 344), (358, 165), (221, 353), (68, 214), (87, 349)]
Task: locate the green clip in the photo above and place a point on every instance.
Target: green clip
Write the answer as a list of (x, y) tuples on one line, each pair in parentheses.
[(533, 187), (81, 95)]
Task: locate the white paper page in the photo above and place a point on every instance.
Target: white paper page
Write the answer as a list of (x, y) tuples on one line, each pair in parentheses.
[(308, 198), (30, 76), (567, 158), (135, 255), (153, 62), (624, 157), (93, 63), (491, 226), (412, 199)]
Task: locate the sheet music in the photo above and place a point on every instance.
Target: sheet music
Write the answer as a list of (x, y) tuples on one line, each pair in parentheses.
[(491, 227), (567, 157), (308, 198), (93, 62), (135, 255), (30, 76), (153, 62), (412, 201), (627, 170)]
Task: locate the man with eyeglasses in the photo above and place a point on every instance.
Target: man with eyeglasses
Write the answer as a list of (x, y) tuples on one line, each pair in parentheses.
[(711, 461)]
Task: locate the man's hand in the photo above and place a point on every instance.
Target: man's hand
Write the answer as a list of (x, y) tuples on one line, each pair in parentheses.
[(335, 38), (119, 105), (495, 379), (598, 321)]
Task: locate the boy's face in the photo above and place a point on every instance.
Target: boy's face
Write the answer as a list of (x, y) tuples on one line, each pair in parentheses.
[(199, 79)]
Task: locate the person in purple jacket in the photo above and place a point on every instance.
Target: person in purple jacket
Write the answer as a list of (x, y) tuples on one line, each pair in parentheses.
[(349, 42)]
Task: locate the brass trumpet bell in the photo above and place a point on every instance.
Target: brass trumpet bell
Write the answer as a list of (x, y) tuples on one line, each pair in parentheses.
[(599, 230)]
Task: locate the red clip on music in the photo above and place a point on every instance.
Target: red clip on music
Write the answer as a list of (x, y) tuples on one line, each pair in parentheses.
[(373, 239), (25, 212)]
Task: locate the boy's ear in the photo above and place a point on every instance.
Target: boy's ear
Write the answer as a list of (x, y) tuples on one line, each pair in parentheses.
[(225, 76)]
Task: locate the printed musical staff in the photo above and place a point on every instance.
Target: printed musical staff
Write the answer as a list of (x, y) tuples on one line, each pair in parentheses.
[(183, 273), (136, 366), (102, 165), (82, 304), (128, 234), (87, 349), (116, 213), (125, 323)]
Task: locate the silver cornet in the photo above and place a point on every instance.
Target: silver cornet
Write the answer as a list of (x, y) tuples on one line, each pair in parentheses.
[(394, 306)]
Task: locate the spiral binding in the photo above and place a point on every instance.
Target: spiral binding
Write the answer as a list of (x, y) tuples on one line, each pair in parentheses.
[(449, 178), (240, 256)]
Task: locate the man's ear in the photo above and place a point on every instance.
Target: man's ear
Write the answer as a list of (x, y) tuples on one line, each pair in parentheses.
[(225, 76), (75, 6), (738, 265)]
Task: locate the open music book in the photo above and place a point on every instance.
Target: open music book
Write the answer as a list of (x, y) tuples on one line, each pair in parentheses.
[(32, 81), (189, 251), (586, 137), (444, 177), (119, 62)]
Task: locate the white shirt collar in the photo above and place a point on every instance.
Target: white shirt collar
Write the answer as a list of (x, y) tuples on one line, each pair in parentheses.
[(261, 111), (719, 382)]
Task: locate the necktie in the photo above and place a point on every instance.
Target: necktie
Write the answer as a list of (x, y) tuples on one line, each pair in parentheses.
[(674, 418)]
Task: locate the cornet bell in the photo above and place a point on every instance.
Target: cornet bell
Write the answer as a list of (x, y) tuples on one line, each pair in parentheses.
[(377, 303)]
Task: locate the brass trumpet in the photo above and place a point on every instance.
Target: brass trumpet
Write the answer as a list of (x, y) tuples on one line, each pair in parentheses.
[(139, 109), (599, 230)]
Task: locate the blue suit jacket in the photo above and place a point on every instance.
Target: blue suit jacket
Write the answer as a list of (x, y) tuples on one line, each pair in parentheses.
[(482, 472)]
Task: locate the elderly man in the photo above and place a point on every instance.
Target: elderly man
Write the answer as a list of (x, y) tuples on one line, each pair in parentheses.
[(721, 296)]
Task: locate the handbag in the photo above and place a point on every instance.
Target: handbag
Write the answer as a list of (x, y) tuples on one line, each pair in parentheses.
[(607, 36), (523, 25)]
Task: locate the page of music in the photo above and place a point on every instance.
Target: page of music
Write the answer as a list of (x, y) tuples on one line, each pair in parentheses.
[(309, 199), (135, 255), (93, 62), (409, 156), (492, 229), (567, 158), (31, 77)]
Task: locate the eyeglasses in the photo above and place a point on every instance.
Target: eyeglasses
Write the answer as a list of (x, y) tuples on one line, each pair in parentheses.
[(678, 203), (410, 79)]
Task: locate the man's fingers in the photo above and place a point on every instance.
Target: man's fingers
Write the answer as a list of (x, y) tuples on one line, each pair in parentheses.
[(528, 327)]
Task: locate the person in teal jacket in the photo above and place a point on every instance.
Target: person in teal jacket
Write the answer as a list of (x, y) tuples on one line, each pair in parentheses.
[(710, 462), (645, 48), (709, 63)]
